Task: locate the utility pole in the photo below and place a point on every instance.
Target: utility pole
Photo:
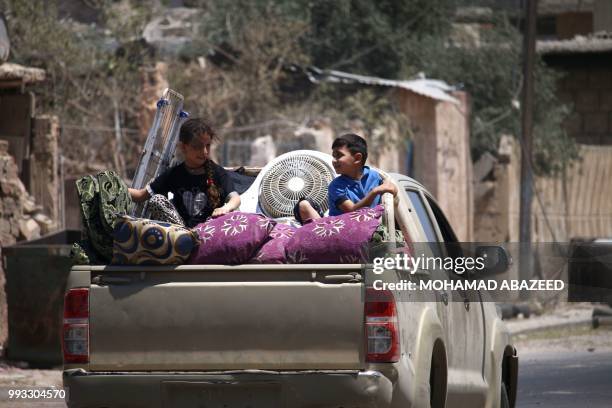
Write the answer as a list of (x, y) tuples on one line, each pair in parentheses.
[(526, 255)]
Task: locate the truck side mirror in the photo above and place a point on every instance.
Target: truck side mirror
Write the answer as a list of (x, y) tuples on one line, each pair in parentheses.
[(496, 259)]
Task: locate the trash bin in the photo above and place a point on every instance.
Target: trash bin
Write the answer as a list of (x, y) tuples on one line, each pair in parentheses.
[(36, 274), (590, 270)]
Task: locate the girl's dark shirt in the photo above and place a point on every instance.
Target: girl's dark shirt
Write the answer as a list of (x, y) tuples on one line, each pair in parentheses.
[(189, 191)]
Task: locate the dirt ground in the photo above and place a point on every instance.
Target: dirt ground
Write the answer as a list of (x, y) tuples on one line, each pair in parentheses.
[(567, 327), (571, 339), (18, 377)]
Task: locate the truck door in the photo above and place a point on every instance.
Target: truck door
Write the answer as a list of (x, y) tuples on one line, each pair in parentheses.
[(466, 384)]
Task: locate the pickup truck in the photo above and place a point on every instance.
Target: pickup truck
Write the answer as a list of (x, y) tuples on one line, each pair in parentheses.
[(287, 335)]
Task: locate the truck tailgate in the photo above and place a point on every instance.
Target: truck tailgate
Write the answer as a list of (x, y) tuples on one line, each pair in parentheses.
[(219, 318)]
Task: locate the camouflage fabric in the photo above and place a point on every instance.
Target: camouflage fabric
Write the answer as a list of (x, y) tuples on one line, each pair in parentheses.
[(379, 243), (101, 198), (382, 235), (82, 253)]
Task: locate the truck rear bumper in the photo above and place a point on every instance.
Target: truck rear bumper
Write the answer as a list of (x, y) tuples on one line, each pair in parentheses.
[(344, 388)]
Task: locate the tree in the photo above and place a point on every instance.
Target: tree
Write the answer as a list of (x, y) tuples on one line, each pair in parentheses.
[(93, 82)]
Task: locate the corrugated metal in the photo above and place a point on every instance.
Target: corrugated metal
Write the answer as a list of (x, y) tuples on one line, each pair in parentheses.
[(579, 204), (430, 88), (578, 45)]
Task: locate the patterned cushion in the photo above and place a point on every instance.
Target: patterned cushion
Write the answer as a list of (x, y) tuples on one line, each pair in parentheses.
[(273, 251), (139, 241), (337, 239), (231, 239)]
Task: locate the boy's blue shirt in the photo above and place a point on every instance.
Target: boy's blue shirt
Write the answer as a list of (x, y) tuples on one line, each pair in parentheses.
[(345, 188)]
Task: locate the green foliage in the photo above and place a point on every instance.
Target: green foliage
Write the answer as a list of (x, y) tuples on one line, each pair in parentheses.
[(492, 75), (94, 80), (397, 39), (251, 42), (368, 37)]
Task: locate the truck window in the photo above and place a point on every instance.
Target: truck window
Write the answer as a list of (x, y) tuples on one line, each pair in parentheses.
[(453, 249), (447, 231), (419, 206)]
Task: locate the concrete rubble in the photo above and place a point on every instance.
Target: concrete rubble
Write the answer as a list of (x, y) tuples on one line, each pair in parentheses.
[(20, 217)]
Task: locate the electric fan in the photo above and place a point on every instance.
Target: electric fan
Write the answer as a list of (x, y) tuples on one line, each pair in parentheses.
[(292, 176)]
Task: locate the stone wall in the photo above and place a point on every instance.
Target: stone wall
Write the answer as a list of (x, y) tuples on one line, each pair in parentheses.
[(3, 306), (12, 194), (12, 197), (44, 169), (20, 219)]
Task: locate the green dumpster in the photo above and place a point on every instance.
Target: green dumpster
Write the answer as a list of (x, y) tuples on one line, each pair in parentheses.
[(36, 274)]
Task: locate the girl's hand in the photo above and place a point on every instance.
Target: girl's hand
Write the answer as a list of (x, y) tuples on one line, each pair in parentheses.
[(217, 212)]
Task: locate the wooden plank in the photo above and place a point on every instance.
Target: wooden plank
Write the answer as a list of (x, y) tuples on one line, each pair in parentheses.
[(12, 84)]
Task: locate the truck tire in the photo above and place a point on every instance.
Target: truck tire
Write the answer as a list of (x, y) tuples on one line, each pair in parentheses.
[(505, 402)]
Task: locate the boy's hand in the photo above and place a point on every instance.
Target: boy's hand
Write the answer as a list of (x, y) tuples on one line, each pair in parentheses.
[(387, 187)]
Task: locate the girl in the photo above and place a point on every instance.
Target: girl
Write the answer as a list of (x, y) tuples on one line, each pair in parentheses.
[(200, 187)]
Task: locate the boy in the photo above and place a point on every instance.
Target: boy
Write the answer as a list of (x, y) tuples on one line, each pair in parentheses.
[(357, 185)]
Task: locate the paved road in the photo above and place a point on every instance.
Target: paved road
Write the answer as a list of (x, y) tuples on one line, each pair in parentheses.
[(565, 379)]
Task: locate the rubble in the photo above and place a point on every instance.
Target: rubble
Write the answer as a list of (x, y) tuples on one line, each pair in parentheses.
[(20, 217), (28, 229)]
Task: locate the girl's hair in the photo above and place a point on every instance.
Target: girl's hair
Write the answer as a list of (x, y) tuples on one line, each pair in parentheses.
[(195, 127), (191, 129)]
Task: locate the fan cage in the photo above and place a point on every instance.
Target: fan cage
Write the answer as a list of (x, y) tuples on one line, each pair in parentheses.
[(277, 199)]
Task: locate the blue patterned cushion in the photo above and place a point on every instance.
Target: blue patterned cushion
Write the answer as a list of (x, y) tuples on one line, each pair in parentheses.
[(140, 241)]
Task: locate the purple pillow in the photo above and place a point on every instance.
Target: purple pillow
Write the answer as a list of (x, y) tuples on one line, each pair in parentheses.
[(273, 251), (231, 239), (338, 239)]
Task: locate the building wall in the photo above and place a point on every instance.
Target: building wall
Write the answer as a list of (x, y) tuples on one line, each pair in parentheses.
[(442, 161), (421, 114), (589, 90), (571, 24), (575, 204), (454, 187)]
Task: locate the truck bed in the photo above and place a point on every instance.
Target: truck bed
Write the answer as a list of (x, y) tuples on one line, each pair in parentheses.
[(181, 318)]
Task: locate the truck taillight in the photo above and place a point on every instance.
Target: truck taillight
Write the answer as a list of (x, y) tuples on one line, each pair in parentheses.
[(75, 333), (382, 333)]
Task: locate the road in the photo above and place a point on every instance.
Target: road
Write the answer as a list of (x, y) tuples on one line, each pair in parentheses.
[(569, 370)]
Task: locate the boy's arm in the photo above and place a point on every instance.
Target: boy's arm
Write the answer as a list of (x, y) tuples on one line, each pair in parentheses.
[(386, 187)]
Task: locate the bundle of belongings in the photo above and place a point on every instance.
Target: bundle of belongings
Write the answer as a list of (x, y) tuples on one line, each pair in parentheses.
[(101, 197), (232, 239)]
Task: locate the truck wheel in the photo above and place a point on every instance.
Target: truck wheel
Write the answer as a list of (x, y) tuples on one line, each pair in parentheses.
[(505, 402), (437, 381)]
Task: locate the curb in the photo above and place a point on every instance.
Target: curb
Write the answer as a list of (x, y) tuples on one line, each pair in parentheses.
[(573, 324)]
